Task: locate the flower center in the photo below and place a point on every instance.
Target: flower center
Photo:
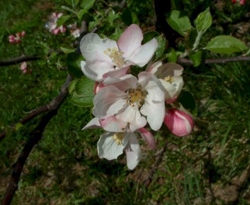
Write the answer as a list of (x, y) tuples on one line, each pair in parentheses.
[(116, 56), (169, 79), (136, 97), (118, 137)]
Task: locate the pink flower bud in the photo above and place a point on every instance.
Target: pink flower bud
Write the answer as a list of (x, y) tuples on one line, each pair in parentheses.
[(178, 122), (12, 39), (23, 67), (242, 2), (23, 34)]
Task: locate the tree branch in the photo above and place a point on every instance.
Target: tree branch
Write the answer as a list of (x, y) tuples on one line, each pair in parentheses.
[(17, 60), (35, 137), (185, 61)]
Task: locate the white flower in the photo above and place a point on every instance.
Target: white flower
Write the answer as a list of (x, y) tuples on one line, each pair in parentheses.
[(170, 76), (132, 101), (111, 145), (105, 57)]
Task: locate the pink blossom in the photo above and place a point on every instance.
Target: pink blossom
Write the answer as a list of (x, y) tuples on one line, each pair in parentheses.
[(23, 67), (132, 101), (51, 25), (17, 37), (170, 77), (106, 57), (178, 122)]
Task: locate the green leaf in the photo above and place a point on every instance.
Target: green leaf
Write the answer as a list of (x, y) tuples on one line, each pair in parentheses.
[(148, 36), (87, 4), (62, 20), (179, 22), (82, 92), (187, 100), (203, 21), (67, 50), (18, 126), (196, 58), (225, 44), (74, 64), (161, 47), (171, 55), (129, 17), (81, 13)]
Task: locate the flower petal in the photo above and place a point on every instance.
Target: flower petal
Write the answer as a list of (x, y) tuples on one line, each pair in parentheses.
[(108, 148), (142, 55), (148, 137), (108, 101), (132, 117), (130, 40), (178, 122), (96, 69), (92, 47), (133, 151)]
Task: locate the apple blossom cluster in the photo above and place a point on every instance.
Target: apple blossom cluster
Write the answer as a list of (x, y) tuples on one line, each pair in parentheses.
[(51, 25), (126, 106), (15, 39)]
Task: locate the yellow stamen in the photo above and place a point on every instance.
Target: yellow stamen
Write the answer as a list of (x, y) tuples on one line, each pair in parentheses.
[(118, 137), (169, 79), (136, 97), (116, 56)]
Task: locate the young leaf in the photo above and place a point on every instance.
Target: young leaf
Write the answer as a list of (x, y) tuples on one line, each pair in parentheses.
[(179, 22), (87, 4), (74, 64), (196, 58), (203, 21), (62, 20), (226, 45), (171, 55), (82, 92), (161, 47)]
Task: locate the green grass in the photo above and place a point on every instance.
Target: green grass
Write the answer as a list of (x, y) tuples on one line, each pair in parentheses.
[(64, 167)]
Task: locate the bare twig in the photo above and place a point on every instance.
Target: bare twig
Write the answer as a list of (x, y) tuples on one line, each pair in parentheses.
[(36, 136), (185, 61), (26, 119), (17, 60)]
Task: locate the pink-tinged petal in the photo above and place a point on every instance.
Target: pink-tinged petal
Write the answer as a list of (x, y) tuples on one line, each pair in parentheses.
[(152, 68), (178, 122), (112, 124), (130, 40), (117, 73), (94, 123), (133, 151), (132, 117), (93, 47), (108, 148), (95, 69), (108, 101), (142, 55), (148, 137), (123, 83), (154, 88)]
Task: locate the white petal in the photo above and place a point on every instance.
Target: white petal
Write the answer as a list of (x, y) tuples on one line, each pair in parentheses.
[(133, 117), (96, 69), (108, 148), (92, 47), (133, 151), (130, 40), (155, 112), (94, 123), (148, 137), (142, 55), (108, 101)]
